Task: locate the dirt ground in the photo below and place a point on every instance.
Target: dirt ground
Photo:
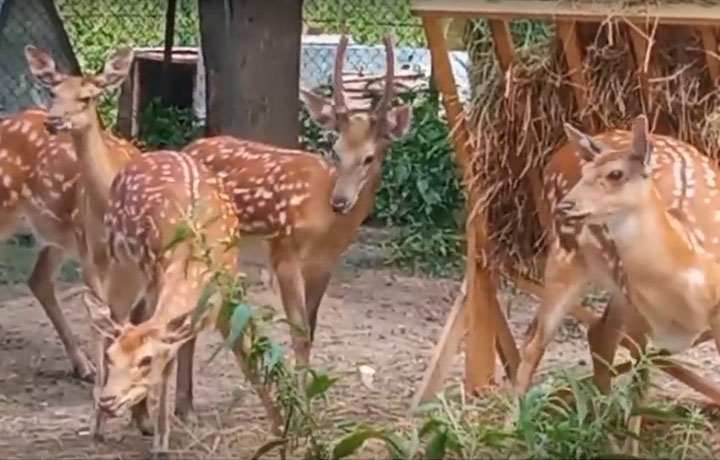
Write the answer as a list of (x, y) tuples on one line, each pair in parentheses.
[(371, 315)]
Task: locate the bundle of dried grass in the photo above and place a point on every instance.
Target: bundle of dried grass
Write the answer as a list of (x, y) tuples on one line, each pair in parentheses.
[(517, 119)]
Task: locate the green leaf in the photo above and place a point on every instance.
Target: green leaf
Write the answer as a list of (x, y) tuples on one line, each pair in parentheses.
[(275, 355), (319, 385), (267, 447), (203, 302), (182, 233), (397, 447), (352, 442), (435, 449), (238, 322)]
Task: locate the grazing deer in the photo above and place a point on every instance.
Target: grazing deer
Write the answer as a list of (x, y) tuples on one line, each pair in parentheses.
[(100, 156), (154, 195), (308, 210), (633, 211)]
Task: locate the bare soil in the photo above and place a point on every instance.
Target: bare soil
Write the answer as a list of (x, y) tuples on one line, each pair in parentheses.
[(371, 315)]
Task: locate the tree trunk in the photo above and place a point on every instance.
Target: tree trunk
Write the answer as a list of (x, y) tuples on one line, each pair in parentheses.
[(251, 50)]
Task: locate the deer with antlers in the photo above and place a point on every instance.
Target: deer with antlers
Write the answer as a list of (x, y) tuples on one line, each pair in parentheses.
[(73, 118), (627, 212), (308, 211)]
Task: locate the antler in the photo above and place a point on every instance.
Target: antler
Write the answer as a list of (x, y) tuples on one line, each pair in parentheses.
[(384, 104), (341, 110)]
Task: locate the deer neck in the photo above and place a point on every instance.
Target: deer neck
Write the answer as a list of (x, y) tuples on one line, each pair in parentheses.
[(96, 165), (650, 232)]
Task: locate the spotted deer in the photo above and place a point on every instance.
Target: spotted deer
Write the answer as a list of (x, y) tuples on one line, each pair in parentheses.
[(150, 200), (39, 183), (629, 212), (307, 210), (72, 116)]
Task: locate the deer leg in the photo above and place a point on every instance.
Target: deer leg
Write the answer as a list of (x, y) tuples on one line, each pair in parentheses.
[(565, 277), (139, 412), (262, 389), (184, 380), (603, 337), (316, 283), (125, 286), (161, 438), (42, 285), (292, 293)]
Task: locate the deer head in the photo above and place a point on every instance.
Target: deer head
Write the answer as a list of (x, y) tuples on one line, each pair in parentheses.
[(362, 137), (613, 182), (137, 357), (73, 97)]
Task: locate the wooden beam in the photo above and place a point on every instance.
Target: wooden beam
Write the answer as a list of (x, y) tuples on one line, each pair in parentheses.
[(710, 45), (482, 305), (641, 47), (680, 13), (442, 356), (572, 49)]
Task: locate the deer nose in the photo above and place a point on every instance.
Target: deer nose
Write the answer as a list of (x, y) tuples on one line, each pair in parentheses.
[(53, 124), (106, 402), (564, 207), (339, 204)]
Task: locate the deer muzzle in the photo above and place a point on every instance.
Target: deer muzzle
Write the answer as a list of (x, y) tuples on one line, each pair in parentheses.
[(55, 124)]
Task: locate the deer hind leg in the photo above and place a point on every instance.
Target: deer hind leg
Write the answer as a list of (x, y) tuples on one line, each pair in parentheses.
[(565, 277), (42, 285)]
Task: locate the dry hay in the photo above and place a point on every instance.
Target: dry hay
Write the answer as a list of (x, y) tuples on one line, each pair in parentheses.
[(516, 119)]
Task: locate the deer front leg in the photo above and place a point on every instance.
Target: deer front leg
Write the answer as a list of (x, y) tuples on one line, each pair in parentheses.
[(161, 438), (184, 380), (565, 277), (316, 283), (41, 283), (292, 294)]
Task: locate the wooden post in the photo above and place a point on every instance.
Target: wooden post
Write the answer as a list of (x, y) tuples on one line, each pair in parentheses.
[(505, 54), (483, 309), (567, 32), (710, 45)]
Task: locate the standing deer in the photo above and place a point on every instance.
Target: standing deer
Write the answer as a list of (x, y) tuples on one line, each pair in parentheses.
[(100, 156), (627, 212), (307, 210), (154, 195), (39, 181)]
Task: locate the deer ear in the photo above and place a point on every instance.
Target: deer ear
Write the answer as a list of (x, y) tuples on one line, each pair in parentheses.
[(641, 146), (320, 109), (178, 329), (100, 317), (42, 66), (397, 122), (116, 69), (587, 147)]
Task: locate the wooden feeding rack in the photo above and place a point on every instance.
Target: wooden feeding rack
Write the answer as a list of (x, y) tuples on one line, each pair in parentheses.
[(477, 310)]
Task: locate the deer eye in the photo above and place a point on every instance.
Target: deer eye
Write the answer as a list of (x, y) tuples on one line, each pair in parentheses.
[(368, 159), (85, 100), (615, 175), (145, 361)]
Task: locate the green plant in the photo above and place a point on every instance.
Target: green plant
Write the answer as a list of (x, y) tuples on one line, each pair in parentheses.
[(167, 126)]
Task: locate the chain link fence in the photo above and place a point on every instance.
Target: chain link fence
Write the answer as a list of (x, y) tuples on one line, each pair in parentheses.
[(95, 27)]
